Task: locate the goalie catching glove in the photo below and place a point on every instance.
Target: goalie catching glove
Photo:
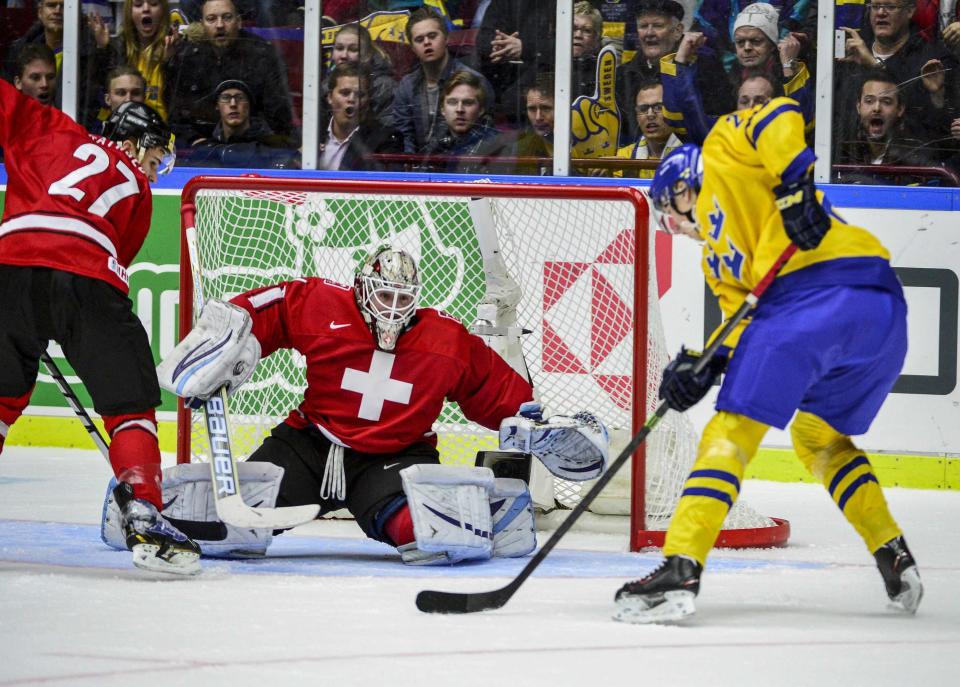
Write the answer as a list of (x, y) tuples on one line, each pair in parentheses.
[(572, 448), (219, 351)]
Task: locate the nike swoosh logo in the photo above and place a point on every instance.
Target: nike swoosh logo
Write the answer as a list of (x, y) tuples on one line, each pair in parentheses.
[(334, 325), (391, 465), (168, 504)]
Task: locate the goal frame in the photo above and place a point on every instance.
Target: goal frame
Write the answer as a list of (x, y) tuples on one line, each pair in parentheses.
[(640, 536)]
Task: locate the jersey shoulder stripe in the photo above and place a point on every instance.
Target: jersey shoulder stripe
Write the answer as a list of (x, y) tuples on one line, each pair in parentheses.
[(764, 119)]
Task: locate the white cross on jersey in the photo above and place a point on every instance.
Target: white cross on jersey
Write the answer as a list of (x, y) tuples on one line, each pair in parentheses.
[(375, 386)]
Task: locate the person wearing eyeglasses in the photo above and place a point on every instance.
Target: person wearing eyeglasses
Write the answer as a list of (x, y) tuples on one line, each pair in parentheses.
[(587, 32), (927, 72), (241, 137), (224, 51), (659, 31), (656, 138)]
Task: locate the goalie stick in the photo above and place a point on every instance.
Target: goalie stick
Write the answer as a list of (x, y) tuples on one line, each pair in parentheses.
[(223, 465), (432, 601)]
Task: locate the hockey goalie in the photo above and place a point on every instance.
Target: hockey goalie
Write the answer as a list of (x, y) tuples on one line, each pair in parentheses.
[(378, 371)]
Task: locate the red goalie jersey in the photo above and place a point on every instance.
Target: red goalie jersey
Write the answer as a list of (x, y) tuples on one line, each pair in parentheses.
[(377, 401), (75, 202)]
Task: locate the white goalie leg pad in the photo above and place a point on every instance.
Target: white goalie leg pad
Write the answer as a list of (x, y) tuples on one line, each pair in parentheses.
[(218, 351), (574, 448), (514, 530), (188, 496), (450, 509)]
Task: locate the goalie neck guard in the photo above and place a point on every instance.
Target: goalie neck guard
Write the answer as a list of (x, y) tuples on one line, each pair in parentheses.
[(387, 288), (141, 123)]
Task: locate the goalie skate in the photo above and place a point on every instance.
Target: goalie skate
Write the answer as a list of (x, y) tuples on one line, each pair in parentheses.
[(664, 596)]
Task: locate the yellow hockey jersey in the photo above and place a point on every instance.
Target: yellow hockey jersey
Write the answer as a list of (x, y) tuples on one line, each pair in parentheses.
[(745, 155)]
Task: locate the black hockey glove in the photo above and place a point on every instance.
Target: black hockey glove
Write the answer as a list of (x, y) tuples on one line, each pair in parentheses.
[(803, 216), (680, 387)]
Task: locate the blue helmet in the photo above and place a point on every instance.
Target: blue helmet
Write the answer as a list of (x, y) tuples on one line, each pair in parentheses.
[(682, 164)]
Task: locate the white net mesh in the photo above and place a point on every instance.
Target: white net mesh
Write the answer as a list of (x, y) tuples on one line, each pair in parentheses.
[(573, 259)]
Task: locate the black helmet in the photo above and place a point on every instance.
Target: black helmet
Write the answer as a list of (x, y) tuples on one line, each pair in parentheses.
[(140, 122)]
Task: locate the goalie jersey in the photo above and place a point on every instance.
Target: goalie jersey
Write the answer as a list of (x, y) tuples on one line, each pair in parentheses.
[(745, 155), (378, 401)]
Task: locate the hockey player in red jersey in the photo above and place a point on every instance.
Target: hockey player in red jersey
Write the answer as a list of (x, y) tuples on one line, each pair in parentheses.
[(378, 370), (76, 213)]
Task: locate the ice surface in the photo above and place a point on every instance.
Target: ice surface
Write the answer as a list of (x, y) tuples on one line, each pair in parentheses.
[(330, 608)]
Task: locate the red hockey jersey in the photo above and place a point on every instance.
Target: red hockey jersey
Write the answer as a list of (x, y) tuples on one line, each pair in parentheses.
[(75, 202), (377, 401)]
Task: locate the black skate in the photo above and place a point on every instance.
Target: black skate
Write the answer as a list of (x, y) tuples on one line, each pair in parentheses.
[(900, 575), (157, 545), (665, 595)]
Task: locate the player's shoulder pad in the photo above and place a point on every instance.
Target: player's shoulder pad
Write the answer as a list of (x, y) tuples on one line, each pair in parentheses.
[(763, 115)]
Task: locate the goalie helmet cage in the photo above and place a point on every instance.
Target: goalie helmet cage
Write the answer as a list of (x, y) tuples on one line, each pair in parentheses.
[(580, 255)]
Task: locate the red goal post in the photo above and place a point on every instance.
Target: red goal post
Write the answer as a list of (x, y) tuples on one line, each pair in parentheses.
[(581, 256)]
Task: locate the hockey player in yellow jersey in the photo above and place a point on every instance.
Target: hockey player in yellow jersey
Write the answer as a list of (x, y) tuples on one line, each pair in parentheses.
[(826, 341)]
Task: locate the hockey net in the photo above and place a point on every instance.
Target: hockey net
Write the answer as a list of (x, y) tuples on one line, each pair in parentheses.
[(580, 255)]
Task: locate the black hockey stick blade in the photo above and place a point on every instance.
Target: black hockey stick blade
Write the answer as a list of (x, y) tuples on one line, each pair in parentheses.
[(431, 601)]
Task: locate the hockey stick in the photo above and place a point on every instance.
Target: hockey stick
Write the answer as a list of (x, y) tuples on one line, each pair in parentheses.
[(223, 465), (430, 601), (76, 406)]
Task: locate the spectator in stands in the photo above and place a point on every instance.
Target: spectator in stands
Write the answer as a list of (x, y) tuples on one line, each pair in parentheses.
[(145, 42), (48, 30), (516, 41), (536, 139), (881, 138), (587, 30), (225, 51), (353, 45), (353, 132), (757, 54), (931, 100), (463, 131), (241, 138), (656, 138), (713, 18), (417, 103), (124, 83), (36, 73), (755, 90), (659, 30)]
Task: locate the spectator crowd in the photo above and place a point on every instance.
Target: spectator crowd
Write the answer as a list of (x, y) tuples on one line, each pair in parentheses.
[(467, 86)]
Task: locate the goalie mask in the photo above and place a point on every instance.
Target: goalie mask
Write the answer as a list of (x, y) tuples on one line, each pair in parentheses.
[(387, 287), (141, 123)]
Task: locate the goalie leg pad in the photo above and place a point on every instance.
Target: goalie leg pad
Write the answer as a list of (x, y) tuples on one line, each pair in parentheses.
[(514, 530), (219, 351), (189, 502), (450, 508), (572, 448)]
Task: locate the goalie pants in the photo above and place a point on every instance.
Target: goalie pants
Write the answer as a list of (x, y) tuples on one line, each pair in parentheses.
[(374, 491), (834, 353), (103, 340)]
